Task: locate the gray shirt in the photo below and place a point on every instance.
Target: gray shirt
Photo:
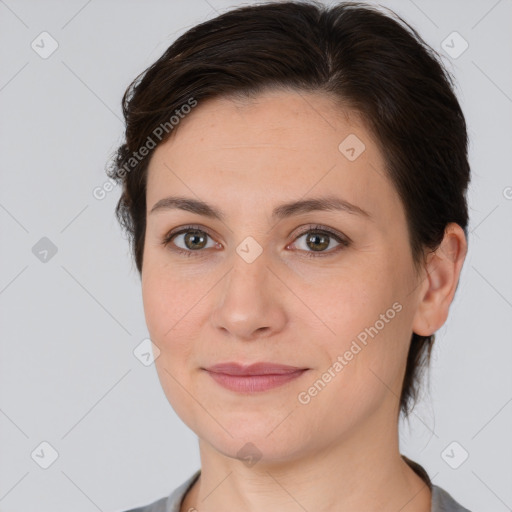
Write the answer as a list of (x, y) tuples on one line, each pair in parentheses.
[(441, 500)]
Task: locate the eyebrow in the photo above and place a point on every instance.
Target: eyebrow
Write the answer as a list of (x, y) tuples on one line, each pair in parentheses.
[(325, 203)]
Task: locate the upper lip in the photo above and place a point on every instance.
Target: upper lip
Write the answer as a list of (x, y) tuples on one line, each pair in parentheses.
[(261, 368)]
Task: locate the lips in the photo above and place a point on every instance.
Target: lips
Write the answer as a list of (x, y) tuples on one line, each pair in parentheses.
[(256, 377), (253, 369)]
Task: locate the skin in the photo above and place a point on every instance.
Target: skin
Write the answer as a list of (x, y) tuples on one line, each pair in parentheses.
[(339, 451)]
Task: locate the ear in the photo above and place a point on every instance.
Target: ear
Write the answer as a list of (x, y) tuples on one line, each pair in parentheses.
[(443, 270)]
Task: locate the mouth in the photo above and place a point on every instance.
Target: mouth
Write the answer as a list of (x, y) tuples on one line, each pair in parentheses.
[(253, 378)]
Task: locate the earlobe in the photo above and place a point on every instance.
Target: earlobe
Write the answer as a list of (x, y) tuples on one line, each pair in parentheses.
[(442, 276)]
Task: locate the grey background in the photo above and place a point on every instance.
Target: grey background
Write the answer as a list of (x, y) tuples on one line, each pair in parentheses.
[(69, 326)]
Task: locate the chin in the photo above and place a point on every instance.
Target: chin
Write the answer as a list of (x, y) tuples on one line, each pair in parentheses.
[(253, 442), (252, 451)]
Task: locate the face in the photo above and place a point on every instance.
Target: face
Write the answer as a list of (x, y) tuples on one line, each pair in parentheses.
[(330, 291)]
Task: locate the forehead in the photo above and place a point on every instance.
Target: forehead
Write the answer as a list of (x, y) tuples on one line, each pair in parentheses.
[(277, 146)]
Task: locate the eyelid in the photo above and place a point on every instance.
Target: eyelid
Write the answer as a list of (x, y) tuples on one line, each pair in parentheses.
[(342, 239), (302, 230), (184, 229), (187, 227)]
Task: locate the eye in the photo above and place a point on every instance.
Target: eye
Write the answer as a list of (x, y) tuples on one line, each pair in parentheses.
[(189, 240), (319, 238)]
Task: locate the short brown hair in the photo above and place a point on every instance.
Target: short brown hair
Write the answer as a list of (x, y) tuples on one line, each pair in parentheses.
[(373, 62)]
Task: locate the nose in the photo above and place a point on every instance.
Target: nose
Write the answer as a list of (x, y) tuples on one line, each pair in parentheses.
[(250, 302)]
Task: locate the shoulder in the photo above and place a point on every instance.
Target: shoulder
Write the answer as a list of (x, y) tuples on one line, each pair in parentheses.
[(172, 502), (157, 506), (442, 501)]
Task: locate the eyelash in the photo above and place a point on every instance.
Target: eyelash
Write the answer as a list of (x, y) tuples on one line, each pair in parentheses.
[(344, 242)]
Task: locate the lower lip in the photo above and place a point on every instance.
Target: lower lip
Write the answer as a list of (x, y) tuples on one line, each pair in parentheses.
[(253, 383)]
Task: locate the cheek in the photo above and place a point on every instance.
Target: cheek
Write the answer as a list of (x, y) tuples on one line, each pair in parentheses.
[(169, 312), (175, 309), (158, 306), (346, 302), (360, 376), (168, 308), (369, 329)]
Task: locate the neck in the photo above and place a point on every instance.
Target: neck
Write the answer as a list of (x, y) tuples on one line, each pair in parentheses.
[(361, 471)]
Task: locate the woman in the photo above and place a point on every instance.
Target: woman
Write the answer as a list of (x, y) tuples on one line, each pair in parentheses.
[(294, 181)]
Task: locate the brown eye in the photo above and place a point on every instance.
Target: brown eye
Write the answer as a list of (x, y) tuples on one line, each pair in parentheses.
[(318, 240), (188, 240), (195, 239)]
